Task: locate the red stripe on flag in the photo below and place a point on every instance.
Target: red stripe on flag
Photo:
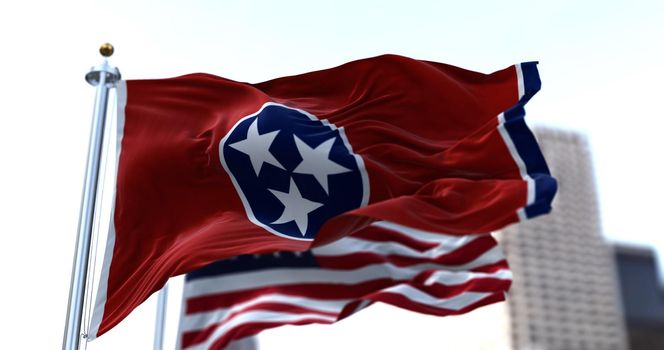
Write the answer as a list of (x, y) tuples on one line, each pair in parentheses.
[(405, 303), (379, 234), (191, 337)]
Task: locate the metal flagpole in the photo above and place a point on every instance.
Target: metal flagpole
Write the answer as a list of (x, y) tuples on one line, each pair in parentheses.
[(104, 78), (161, 318)]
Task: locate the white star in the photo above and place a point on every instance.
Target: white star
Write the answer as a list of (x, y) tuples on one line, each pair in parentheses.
[(316, 161), (296, 208), (257, 147)]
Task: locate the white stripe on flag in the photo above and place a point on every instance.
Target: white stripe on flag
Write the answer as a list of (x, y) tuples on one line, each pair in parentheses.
[(456, 302), (201, 320), (519, 81), (271, 277), (530, 195), (426, 236), (259, 316), (460, 277), (100, 302)]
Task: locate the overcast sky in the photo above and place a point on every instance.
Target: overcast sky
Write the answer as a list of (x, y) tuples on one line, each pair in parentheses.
[(600, 62)]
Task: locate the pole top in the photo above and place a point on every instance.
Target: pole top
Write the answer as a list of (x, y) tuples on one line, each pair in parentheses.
[(110, 74), (106, 50)]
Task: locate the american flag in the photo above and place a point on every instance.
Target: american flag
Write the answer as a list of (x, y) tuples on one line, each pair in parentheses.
[(427, 272)]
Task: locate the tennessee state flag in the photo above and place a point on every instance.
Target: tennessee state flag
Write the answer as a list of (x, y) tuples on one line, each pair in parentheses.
[(210, 168)]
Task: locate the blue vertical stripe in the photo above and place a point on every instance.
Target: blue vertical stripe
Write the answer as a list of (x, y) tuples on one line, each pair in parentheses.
[(527, 147)]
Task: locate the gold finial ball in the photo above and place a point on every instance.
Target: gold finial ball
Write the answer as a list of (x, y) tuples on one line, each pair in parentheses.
[(106, 50)]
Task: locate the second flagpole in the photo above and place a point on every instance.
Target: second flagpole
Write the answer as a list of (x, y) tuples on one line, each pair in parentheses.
[(160, 322)]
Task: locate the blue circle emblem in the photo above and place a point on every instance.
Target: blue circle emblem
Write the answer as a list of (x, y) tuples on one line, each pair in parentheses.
[(292, 171)]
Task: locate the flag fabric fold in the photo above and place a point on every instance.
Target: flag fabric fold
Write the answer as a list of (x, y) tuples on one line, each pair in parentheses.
[(209, 168), (426, 272)]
